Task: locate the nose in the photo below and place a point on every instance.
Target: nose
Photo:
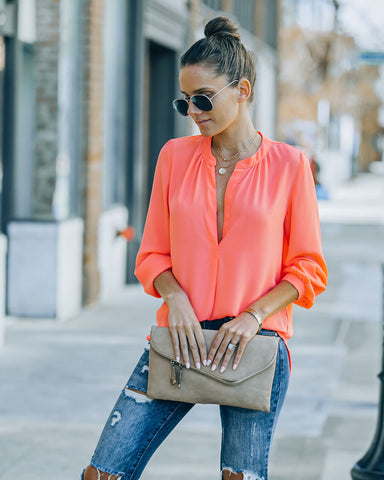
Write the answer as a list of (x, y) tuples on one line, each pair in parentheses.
[(192, 109)]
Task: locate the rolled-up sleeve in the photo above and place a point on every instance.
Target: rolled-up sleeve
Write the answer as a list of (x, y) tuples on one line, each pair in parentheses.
[(303, 261), (154, 257)]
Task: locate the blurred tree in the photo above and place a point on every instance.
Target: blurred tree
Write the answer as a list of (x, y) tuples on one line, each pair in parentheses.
[(322, 64)]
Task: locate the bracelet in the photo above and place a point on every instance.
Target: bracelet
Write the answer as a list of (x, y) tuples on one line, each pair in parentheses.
[(255, 314)]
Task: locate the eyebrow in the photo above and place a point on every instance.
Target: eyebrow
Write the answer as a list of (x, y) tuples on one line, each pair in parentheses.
[(199, 90)]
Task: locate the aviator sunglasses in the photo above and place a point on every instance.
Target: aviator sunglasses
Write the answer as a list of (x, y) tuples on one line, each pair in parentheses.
[(202, 102)]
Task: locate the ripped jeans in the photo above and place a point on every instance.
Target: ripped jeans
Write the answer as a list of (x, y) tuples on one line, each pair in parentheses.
[(138, 425)]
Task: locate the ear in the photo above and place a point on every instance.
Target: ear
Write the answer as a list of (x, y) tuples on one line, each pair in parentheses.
[(244, 90)]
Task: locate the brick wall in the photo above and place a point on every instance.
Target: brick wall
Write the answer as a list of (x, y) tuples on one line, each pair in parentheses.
[(93, 141), (46, 140)]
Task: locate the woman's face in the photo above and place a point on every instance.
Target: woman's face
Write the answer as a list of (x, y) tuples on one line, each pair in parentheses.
[(201, 79)]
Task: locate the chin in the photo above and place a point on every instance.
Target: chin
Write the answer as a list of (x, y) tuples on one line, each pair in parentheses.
[(205, 134), (207, 131)]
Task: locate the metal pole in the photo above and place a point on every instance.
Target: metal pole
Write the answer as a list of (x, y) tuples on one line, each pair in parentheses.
[(371, 466)]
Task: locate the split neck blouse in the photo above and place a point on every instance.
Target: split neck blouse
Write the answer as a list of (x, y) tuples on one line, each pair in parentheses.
[(271, 230)]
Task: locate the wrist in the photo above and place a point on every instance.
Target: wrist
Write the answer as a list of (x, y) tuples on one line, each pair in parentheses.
[(174, 297), (256, 315)]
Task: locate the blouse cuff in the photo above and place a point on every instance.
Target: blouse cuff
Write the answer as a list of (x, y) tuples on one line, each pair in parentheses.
[(300, 286), (150, 269)]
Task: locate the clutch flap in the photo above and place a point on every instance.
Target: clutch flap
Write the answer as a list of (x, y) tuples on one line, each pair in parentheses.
[(258, 356)]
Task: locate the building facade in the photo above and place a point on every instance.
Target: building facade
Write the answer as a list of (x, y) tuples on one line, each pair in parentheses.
[(86, 90)]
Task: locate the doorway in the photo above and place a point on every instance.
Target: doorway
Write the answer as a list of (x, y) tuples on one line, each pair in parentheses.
[(159, 116)]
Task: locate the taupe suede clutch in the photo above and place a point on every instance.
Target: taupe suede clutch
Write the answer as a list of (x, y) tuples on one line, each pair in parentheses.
[(249, 386)]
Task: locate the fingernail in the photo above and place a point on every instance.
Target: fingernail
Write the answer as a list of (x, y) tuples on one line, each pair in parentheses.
[(222, 369), (205, 363), (177, 359), (198, 365), (188, 365), (234, 366), (209, 362), (213, 368)]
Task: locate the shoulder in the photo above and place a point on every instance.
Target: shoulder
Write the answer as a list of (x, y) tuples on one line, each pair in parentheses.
[(185, 144), (287, 154), (178, 151), (287, 161)]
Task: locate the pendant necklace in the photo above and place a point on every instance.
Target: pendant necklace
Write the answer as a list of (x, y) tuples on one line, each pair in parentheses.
[(223, 168), (234, 157)]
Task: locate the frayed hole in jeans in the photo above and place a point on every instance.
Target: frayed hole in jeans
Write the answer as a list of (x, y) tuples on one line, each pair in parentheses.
[(103, 476), (138, 397), (229, 473)]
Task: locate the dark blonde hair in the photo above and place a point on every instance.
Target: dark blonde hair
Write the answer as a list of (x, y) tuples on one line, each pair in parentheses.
[(222, 50)]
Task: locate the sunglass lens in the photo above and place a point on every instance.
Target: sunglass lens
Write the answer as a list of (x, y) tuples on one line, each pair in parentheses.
[(202, 102), (181, 106)]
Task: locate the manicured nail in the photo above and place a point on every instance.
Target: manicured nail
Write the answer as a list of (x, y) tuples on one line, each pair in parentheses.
[(198, 365), (222, 369), (209, 362), (188, 365), (234, 366), (213, 367), (205, 363), (178, 359)]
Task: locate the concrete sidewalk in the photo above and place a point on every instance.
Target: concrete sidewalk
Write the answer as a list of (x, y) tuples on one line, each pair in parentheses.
[(59, 381)]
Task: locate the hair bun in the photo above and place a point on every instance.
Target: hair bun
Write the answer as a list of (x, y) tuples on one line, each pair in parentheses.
[(221, 26)]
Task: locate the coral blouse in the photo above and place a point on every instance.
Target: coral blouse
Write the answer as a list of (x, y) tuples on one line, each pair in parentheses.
[(271, 230)]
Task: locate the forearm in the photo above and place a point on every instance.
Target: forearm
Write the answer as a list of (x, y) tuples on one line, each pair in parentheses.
[(241, 329), (275, 300), (168, 287)]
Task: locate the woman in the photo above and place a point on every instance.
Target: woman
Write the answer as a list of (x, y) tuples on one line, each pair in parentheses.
[(231, 240)]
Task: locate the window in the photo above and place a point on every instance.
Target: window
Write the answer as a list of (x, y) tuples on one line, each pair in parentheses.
[(214, 4), (115, 103), (66, 198), (245, 12), (270, 23)]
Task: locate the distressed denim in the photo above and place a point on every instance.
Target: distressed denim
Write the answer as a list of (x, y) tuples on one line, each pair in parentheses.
[(137, 426)]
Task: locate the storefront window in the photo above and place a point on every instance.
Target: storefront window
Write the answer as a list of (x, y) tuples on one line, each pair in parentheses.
[(214, 4), (270, 23), (115, 102), (66, 196), (245, 12)]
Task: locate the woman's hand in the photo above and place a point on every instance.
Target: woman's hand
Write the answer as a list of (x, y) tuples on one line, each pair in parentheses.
[(241, 329), (183, 324), (239, 332), (185, 330)]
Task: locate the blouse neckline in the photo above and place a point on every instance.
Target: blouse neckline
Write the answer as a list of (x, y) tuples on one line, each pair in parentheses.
[(246, 162)]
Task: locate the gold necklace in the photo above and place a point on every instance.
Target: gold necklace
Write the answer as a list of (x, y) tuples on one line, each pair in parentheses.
[(235, 157), (223, 168)]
